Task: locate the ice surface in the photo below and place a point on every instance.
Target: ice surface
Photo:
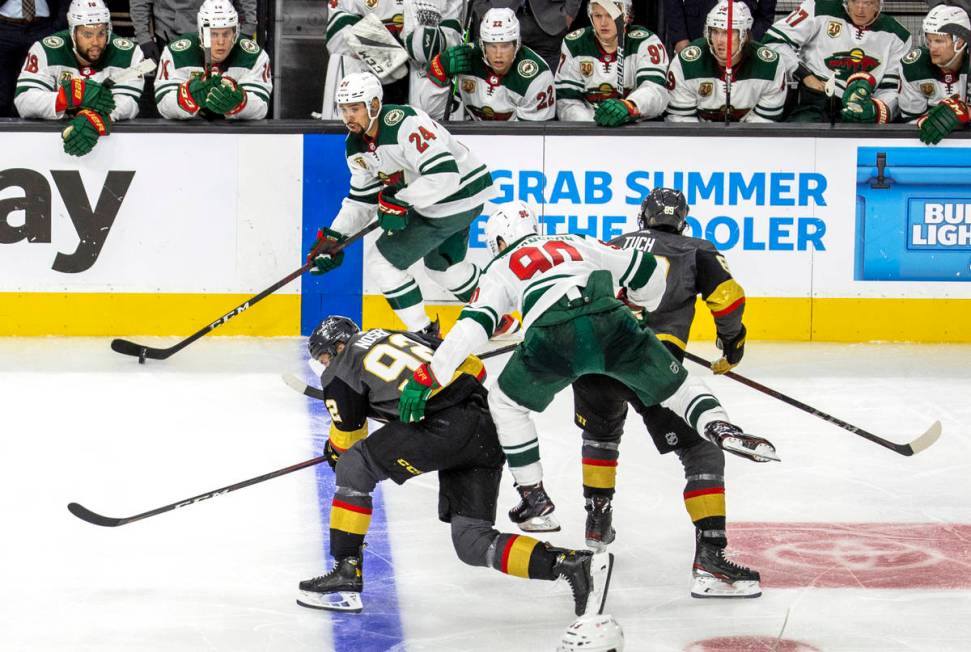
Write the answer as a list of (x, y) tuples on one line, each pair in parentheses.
[(863, 549)]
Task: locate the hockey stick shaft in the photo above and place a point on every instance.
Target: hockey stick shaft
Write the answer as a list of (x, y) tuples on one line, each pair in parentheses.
[(916, 446), (466, 37), (317, 393), (86, 514), (728, 65), (127, 347)]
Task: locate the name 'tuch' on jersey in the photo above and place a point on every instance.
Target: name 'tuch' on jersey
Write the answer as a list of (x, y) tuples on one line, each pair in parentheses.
[(587, 75), (51, 61), (830, 45), (698, 88), (925, 84)]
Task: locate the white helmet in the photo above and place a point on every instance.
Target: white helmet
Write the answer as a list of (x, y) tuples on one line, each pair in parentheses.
[(87, 12), (623, 5), (742, 21), (593, 634), (216, 14), (360, 87), (510, 223), (950, 20), (499, 26)]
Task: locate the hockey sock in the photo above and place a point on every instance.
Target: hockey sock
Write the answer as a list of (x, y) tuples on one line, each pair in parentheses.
[(350, 518), (599, 467), (517, 436), (524, 556), (460, 279), (704, 498), (695, 403)]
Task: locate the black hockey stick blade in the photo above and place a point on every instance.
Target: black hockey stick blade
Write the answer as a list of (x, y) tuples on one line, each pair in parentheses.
[(926, 440), (317, 393), (87, 515), (126, 347)]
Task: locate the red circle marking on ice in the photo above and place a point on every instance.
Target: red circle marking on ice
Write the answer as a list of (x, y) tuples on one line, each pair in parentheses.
[(749, 644)]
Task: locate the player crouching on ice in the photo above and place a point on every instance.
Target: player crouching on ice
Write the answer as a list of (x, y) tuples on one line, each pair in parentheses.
[(426, 188), (65, 73), (563, 285), (362, 379)]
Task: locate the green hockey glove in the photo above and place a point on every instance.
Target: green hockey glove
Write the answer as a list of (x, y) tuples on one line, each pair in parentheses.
[(941, 120), (453, 61), (322, 254), (193, 92), (411, 405), (614, 112), (226, 97), (83, 131), (859, 105), (392, 212), (76, 93)]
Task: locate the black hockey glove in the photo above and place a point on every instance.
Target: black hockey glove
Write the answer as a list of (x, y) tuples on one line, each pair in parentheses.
[(732, 352), (332, 454)]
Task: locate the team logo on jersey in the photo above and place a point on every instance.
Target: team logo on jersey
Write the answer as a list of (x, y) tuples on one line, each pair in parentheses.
[(671, 438), (572, 36), (834, 29), (371, 4), (249, 46), (766, 54), (927, 88), (691, 53), (638, 33), (122, 44), (705, 89), (66, 76), (393, 117), (845, 63), (394, 179), (360, 162), (912, 56), (468, 85), (53, 41), (527, 68), (181, 45), (586, 68)]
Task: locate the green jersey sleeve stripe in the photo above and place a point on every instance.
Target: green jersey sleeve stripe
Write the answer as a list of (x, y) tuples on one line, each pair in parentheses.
[(434, 159), (773, 35), (480, 317), (568, 94), (36, 83), (442, 168), (339, 22), (645, 268), (633, 264)]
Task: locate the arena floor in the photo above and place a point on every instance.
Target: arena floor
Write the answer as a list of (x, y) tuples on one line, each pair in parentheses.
[(859, 548)]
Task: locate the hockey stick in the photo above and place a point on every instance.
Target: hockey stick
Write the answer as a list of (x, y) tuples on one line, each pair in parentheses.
[(126, 347), (466, 35), (317, 393), (86, 514), (926, 440), (728, 66)]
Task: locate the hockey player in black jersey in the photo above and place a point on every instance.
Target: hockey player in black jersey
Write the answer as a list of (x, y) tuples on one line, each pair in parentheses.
[(362, 379), (600, 402)]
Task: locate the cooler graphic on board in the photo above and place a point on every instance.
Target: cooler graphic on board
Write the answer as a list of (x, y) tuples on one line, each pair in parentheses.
[(913, 214)]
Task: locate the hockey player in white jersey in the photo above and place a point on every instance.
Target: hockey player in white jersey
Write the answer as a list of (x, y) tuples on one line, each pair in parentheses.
[(426, 188), (697, 75), (935, 76), (851, 43), (594, 84), (564, 287), (498, 79), (393, 39), (214, 73), (64, 73)]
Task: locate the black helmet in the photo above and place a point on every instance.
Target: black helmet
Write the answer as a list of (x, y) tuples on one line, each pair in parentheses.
[(664, 209), (329, 333)]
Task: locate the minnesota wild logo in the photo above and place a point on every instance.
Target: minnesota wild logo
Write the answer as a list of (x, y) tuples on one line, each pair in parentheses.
[(846, 63)]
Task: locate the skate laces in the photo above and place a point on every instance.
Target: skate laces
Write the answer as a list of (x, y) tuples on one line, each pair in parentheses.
[(727, 558)]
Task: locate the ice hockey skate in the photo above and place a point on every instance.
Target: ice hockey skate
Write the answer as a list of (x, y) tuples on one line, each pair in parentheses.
[(534, 513), (599, 530), (731, 439), (588, 575), (338, 590), (715, 576)]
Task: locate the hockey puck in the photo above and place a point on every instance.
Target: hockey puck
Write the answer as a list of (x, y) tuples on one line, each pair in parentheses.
[(141, 356)]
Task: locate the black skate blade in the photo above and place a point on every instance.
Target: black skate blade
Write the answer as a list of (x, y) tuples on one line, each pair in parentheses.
[(87, 515)]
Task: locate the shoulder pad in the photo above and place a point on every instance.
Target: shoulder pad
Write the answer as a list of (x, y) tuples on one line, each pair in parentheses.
[(249, 45), (181, 45), (690, 53), (574, 35), (527, 68), (766, 54), (54, 42), (122, 43), (912, 56)]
